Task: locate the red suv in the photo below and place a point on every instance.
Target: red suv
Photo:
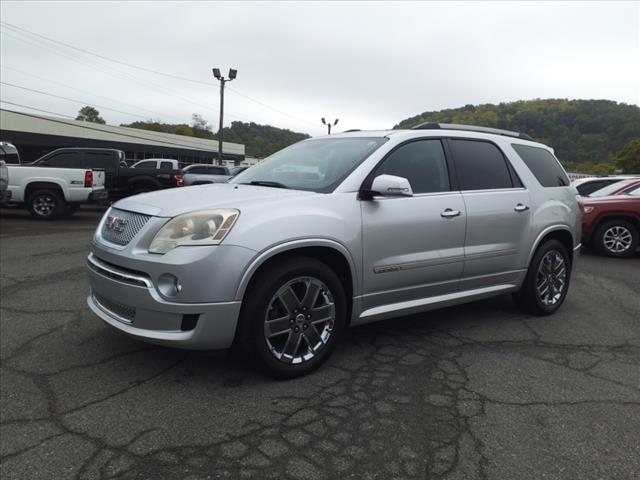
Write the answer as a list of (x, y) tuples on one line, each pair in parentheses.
[(611, 223)]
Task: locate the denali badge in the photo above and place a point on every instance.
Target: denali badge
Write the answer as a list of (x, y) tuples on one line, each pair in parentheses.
[(116, 224)]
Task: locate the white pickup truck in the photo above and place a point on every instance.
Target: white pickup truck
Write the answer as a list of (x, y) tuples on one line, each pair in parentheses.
[(49, 192)]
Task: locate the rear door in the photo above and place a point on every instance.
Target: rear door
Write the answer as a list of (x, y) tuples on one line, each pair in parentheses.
[(498, 213), (413, 247)]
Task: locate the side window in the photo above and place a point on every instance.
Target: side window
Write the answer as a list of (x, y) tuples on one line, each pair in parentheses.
[(543, 165), (99, 160), (65, 160), (197, 170), (149, 164), (480, 165), (422, 163), (635, 191), (166, 166), (217, 171)]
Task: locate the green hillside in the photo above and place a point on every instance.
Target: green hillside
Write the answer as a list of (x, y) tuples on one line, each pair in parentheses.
[(583, 133), (259, 140)]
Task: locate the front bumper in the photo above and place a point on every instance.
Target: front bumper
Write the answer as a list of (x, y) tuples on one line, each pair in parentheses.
[(129, 302)]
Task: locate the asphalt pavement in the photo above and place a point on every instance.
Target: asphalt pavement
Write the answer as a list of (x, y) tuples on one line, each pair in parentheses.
[(479, 391)]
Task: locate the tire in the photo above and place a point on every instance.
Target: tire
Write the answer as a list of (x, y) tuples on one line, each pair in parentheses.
[(616, 238), (283, 348), (550, 267), (45, 204)]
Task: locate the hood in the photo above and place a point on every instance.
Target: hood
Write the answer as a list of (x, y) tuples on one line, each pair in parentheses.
[(176, 201), (608, 199)]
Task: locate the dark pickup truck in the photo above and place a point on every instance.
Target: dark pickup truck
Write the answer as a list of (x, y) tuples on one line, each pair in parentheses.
[(121, 181)]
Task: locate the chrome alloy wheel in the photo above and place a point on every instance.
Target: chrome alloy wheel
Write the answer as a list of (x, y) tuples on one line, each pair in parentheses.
[(617, 239), (552, 278), (44, 205), (299, 320)]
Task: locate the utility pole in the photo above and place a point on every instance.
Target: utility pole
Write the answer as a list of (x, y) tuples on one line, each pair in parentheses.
[(324, 122), (232, 75)]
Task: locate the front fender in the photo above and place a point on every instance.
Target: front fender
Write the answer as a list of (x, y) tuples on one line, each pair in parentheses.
[(292, 245)]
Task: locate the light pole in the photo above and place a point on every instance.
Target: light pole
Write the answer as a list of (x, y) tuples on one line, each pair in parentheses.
[(324, 122), (232, 74)]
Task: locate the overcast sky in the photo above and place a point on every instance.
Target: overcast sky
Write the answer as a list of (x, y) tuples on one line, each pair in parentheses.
[(368, 64)]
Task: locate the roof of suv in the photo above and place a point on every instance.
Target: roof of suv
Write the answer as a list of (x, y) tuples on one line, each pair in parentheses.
[(444, 129)]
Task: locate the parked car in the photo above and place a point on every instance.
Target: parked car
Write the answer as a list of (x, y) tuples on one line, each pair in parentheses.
[(621, 187), (201, 173), (239, 169), (120, 180), (9, 154), (158, 164), (586, 186), (48, 193), (611, 224), (5, 193), (391, 223)]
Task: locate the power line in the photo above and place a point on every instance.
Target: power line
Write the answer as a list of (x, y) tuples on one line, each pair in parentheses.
[(36, 109), (110, 72), (72, 100), (149, 70), (84, 91)]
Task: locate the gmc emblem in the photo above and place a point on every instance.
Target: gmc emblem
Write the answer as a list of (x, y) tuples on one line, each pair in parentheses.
[(116, 224)]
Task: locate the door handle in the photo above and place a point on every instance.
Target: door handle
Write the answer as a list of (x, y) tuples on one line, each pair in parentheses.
[(448, 213), (521, 207)]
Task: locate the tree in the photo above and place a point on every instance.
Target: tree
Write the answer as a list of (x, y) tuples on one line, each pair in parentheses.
[(628, 158), (90, 114), (184, 129), (200, 127)]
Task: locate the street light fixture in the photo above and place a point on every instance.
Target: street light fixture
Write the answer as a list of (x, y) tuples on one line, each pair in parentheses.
[(329, 125), (233, 73)]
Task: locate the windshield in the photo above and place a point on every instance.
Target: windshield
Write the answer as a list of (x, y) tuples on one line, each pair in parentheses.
[(315, 165), (609, 189)]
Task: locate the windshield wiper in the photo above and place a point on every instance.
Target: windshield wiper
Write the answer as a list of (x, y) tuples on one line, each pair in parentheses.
[(266, 183)]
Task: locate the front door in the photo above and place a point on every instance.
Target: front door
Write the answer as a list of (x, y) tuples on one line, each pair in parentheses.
[(413, 247)]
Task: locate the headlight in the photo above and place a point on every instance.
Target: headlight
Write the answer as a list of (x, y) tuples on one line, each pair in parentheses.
[(208, 227)]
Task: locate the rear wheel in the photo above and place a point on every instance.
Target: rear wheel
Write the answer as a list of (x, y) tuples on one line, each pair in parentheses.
[(616, 238), (45, 204), (293, 316), (547, 282)]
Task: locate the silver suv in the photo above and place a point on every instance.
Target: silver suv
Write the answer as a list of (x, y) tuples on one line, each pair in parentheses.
[(337, 231)]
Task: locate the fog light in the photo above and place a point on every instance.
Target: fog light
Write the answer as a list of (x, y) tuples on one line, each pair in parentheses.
[(169, 285)]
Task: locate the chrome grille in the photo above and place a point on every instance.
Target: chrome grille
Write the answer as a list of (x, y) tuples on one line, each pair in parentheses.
[(121, 226), (123, 311)]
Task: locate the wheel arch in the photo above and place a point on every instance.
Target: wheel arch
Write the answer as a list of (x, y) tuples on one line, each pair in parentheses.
[(561, 233), (629, 217), (330, 252), (39, 185)]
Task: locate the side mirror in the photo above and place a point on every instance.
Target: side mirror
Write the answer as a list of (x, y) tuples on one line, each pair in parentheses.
[(389, 186)]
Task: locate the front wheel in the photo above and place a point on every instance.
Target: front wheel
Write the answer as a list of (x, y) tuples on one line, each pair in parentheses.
[(616, 238), (547, 282), (45, 204), (293, 316)]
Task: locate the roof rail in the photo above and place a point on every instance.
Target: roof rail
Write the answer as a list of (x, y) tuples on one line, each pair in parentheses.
[(471, 128)]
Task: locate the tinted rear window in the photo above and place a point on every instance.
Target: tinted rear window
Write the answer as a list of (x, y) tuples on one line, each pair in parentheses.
[(480, 165), (100, 160), (543, 165), (64, 160)]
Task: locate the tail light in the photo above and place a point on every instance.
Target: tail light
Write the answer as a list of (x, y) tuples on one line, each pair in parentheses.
[(88, 179), (179, 180)]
